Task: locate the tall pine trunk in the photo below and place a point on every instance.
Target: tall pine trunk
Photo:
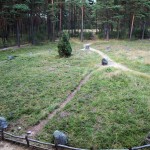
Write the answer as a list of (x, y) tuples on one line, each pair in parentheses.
[(132, 25), (143, 32), (107, 32), (53, 24), (82, 18), (49, 28), (118, 29), (60, 18), (18, 33)]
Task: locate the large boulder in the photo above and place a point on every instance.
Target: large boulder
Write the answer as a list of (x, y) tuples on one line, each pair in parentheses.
[(60, 138), (3, 123)]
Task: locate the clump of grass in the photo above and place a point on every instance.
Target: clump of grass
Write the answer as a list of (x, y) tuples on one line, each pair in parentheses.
[(110, 111)]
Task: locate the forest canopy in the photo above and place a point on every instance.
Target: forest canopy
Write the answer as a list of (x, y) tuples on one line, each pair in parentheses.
[(34, 21)]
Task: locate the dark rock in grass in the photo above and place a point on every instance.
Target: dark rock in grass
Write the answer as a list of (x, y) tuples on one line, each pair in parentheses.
[(104, 61), (3, 123), (148, 135), (87, 46), (108, 48), (147, 140), (11, 57), (60, 138)]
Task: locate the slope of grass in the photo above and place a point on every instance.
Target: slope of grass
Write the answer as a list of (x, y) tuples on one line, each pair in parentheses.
[(34, 83), (110, 111), (134, 54)]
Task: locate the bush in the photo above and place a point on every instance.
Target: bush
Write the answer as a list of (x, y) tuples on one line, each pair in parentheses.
[(88, 35), (113, 34), (137, 33), (75, 34), (100, 35), (64, 47)]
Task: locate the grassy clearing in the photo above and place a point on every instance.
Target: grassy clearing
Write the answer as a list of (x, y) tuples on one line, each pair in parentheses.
[(37, 81), (110, 111), (134, 54)]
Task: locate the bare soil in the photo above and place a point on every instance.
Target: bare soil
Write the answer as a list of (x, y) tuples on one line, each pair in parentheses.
[(9, 146)]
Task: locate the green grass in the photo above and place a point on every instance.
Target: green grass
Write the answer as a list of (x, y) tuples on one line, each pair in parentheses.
[(110, 111), (37, 81), (133, 54)]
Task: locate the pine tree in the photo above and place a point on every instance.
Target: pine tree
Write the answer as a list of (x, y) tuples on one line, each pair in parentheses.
[(64, 47)]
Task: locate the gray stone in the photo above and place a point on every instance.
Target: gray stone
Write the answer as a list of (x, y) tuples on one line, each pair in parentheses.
[(108, 48), (11, 57), (104, 61), (30, 54), (29, 132), (19, 128), (3, 123), (147, 140), (87, 46), (148, 135), (60, 138)]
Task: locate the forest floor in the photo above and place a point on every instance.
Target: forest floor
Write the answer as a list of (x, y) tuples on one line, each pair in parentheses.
[(63, 86)]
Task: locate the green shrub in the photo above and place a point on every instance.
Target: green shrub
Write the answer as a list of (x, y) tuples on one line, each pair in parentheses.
[(75, 34), (39, 37), (123, 34), (64, 47), (113, 34), (137, 33), (88, 35), (101, 35)]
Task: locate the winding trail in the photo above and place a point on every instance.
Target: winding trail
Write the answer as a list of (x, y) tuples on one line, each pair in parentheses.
[(112, 63)]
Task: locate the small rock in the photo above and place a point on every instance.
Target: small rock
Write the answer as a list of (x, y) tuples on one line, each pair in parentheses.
[(108, 48), (3, 123), (104, 61), (148, 135), (60, 138), (11, 57), (87, 46), (29, 132), (19, 128)]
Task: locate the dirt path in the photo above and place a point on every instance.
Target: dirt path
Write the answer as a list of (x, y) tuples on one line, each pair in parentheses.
[(14, 47), (9, 146), (117, 65), (37, 128)]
